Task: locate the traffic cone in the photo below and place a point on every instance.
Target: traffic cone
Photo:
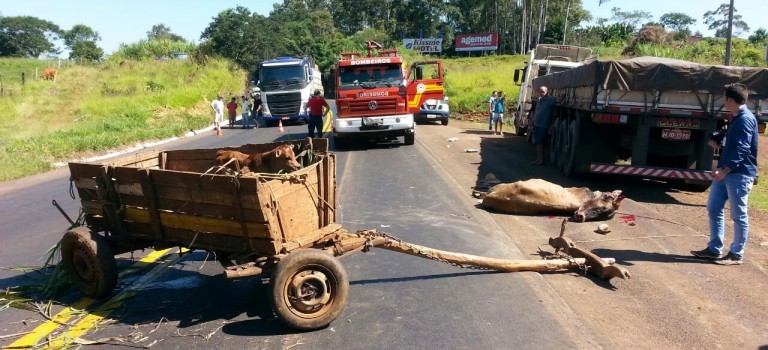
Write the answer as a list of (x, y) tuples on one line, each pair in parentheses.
[(218, 131), (280, 126)]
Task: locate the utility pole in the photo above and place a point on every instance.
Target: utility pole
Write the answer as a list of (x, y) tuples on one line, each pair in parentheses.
[(728, 38)]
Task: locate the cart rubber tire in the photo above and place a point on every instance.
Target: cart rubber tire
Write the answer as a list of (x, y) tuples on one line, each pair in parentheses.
[(89, 262), (409, 139), (321, 281)]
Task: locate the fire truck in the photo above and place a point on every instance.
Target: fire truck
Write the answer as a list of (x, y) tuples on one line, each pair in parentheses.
[(376, 99)]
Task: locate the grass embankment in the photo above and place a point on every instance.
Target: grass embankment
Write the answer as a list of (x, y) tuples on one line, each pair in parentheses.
[(91, 109)]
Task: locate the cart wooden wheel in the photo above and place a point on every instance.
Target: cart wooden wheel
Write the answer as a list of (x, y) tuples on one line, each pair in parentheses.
[(309, 289), (89, 262)]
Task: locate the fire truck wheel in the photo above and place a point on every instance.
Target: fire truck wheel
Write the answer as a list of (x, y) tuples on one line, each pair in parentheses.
[(89, 262), (309, 289), (409, 139)]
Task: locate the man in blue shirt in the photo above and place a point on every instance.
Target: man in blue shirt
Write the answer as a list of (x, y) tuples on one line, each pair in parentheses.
[(733, 179)]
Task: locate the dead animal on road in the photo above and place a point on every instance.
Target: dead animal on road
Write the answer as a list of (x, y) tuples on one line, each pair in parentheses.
[(537, 196), (282, 158)]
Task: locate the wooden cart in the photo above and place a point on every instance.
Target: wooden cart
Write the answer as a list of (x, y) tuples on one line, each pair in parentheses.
[(251, 223), (281, 226)]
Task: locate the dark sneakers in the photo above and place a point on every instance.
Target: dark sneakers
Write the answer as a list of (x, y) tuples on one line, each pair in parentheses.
[(706, 253), (729, 259)]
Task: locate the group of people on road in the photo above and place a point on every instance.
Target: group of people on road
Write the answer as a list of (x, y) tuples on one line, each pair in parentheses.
[(732, 180), (250, 111), (317, 108)]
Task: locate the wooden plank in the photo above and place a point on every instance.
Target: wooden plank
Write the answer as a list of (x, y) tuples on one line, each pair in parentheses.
[(133, 189), (269, 212), (208, 241), (197, 223), (84, 170), (207, 209), (149, 194), (206, 182), (91, 207), (249, 200)]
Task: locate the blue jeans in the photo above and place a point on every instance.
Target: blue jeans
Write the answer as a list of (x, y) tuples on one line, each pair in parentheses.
[(246, 120), (315, 123), (734, 189)]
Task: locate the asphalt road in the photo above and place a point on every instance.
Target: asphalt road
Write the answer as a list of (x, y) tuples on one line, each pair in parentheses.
[(419, 193)]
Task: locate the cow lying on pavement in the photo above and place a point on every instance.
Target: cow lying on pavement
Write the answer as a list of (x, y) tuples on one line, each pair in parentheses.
[(537, 196), (282, 158)]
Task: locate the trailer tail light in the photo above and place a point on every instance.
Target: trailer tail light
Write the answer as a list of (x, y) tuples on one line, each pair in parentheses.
[(609, 118)]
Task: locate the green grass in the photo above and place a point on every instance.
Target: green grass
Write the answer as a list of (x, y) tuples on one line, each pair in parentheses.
[(91, 109)]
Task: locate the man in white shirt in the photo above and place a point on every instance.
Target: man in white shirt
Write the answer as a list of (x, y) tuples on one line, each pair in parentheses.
[(245, 105), (218, 112)]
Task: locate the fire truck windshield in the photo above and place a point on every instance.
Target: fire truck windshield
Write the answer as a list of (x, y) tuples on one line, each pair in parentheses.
[(280, 78), (370, 77)]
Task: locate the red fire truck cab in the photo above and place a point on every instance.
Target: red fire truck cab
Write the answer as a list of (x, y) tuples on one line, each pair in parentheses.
[(376, 99)]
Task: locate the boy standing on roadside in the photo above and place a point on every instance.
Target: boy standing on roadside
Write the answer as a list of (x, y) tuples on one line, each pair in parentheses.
[(498, 113), (232, 109)]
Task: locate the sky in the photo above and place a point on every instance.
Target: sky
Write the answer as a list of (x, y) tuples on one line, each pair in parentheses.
[(128, 22)]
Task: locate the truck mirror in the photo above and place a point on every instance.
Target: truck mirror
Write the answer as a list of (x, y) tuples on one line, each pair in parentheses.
[(518, 77)]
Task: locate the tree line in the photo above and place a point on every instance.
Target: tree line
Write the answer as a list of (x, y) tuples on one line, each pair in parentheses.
[(324, 28)]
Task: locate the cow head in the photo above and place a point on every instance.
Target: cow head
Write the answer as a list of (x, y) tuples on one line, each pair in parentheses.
[(601, 208), (284, 159)]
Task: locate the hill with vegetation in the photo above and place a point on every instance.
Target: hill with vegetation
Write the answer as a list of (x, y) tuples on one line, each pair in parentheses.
[(89, 109)]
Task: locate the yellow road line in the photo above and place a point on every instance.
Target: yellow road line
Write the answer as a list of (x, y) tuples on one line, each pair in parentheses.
[(94, 317), (41, 331)]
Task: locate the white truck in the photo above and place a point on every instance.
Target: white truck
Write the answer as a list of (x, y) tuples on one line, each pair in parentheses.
[(648, 116), (286, 84), (544, 59)]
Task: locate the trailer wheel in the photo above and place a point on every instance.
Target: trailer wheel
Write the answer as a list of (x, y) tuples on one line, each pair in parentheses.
[(570, 149), (309, 289), (89, 262), (554, 142), (562, 135)]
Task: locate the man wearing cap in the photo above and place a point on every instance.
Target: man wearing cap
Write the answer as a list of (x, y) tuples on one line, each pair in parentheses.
[(218, 111), (317, 109)]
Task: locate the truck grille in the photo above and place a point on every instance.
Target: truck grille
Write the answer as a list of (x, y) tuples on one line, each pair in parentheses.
[(284, 104), (385, 105)]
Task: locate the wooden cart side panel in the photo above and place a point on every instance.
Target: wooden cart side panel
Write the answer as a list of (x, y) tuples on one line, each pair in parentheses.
[(146, 159), (210, 241), (197, 223), (297, 204)]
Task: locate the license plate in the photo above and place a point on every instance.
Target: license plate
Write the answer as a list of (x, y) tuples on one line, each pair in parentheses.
[(431, 115), (675, 134), (285, 118), (371, 121)]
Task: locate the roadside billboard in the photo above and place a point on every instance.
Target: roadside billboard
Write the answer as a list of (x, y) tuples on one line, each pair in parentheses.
[(424, 45), (477, 42)]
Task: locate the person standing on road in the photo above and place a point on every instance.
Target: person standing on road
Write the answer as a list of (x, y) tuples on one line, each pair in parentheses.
[(542, 121), (498, 112), (218, 112), (245, 106), (317, 108), (232, 111), (256, 110), (732, 179), (491, 103)]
